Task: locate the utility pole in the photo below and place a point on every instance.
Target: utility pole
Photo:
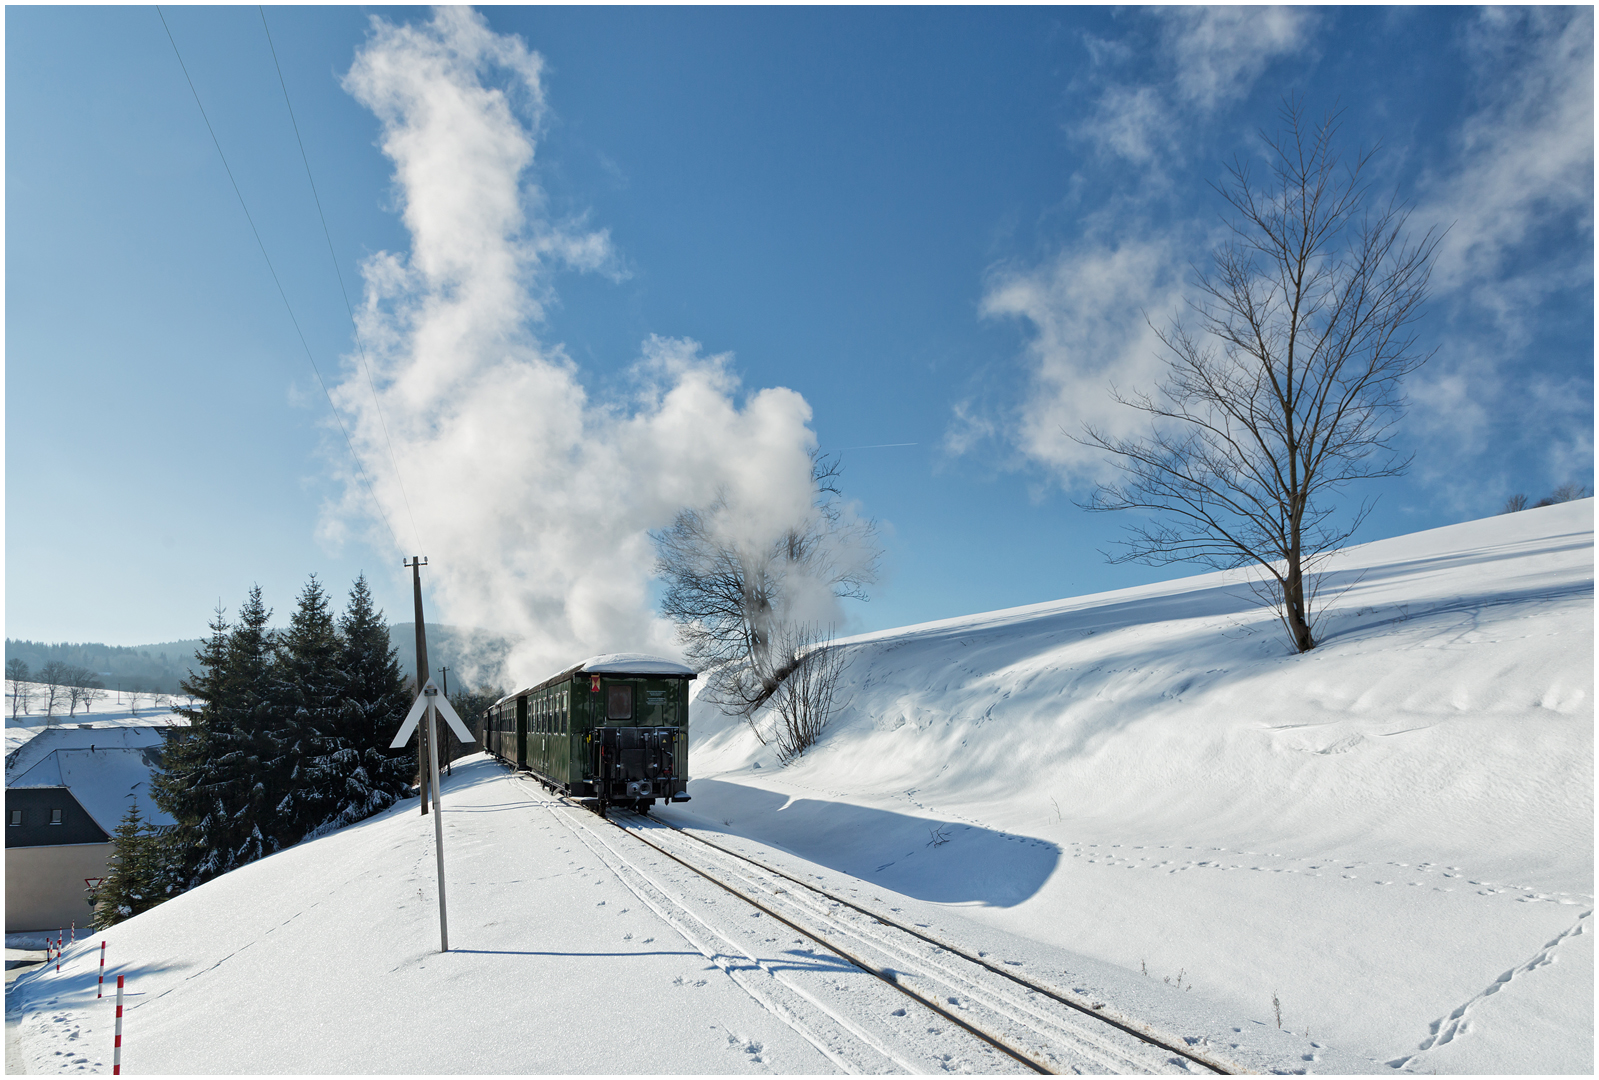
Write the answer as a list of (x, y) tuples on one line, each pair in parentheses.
[(449, 760), (422, 748)]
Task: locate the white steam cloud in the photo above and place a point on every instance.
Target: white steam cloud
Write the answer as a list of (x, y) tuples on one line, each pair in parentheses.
[(534, 499)]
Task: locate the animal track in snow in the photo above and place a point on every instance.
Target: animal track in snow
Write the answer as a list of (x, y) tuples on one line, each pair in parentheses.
[(1446, 1029)]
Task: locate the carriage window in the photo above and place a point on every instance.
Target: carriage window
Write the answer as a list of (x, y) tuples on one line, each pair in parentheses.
[(619, 702), (55, 817), (16, 817)]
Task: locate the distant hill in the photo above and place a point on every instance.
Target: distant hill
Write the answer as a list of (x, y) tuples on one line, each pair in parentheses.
[(156, 668), (159, 668)]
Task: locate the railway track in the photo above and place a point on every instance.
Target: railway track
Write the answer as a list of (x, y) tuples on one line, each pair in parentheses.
[(1035, 1027)]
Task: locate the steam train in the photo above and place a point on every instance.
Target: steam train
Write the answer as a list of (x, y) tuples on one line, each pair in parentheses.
[(613, 729)]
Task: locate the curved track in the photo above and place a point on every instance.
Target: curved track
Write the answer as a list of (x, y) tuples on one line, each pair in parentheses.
[(1038, 1027)]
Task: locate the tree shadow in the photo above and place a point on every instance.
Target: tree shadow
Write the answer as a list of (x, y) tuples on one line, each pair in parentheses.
[(938, 861)]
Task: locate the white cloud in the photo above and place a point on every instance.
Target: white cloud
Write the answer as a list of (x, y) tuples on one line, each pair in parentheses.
[(534, 499), (1208, 58), (1086, 306), (1219, 52), (1523, 163), (1087, 312), (1516, 188)]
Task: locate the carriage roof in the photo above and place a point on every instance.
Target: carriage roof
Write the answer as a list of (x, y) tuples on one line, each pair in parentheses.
[(640, 664)]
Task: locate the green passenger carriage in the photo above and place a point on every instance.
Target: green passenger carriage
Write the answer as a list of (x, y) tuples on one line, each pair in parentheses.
[(613, 729)]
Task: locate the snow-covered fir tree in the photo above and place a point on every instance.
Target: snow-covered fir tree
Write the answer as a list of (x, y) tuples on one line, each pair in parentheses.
[(307, 692), (367, 775), (214, 777), (130, 884)]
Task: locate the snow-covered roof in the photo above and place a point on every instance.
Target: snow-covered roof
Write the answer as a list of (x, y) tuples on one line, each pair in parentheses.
[(102, 780), (633, 664), (73, 736), (611, 664)]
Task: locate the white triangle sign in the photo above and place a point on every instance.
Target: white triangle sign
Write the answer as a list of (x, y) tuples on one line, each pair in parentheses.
[(419, 706)]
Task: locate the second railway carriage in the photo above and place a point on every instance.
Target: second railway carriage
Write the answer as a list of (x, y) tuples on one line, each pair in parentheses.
[(613, 728)]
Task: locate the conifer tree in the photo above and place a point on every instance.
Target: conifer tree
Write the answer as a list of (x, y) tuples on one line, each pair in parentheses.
[(129, 885), (186, 751), (374, 698), (242, 815), (213, 778), (307, 693)]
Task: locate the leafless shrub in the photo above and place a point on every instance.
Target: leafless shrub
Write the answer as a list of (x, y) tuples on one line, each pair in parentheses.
[(1516, 502), (734, 600), (804, 701)]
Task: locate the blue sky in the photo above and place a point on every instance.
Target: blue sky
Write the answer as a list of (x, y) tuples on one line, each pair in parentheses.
[(937, 227)]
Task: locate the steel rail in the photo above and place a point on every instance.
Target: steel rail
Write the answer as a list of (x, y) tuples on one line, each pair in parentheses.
[(1021, 1056), (1053, 995)]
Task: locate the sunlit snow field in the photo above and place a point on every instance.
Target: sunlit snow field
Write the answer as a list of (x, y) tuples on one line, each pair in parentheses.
[(1394, 832), (1141, 792)]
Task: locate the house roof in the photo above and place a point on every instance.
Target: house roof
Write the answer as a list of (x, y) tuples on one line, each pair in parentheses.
[(103, 780), (72, 736)]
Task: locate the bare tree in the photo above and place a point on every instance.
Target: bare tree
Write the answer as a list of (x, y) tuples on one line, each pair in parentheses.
[(83, 688), (1289, 387), (56, 677), (735, 601), (804, 702), (1564, 493), (18, 684)]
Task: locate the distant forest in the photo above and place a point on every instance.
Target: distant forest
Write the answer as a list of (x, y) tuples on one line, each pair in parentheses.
[(153, 668), (158, 668)]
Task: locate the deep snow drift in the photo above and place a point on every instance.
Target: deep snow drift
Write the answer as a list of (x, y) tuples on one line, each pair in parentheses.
[(1392, 834)]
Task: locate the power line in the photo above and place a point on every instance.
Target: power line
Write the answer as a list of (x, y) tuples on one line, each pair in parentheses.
[(273, 271), (354, 326)]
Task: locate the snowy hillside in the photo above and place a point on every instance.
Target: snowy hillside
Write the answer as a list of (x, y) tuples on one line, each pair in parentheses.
[(1137, 794), (1388, 831)]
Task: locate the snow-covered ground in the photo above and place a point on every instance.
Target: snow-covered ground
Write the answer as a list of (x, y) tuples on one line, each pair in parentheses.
[(1392, 835)]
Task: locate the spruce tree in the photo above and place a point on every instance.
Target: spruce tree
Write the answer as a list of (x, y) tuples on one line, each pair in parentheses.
[(213, 777), (307, 692), (129, 885), (374, 698), (178, 783), (242, 817)]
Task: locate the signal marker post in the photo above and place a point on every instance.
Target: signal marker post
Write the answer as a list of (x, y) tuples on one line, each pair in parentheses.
[(429, 703)]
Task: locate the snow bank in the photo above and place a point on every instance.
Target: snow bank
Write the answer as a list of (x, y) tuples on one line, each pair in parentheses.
[(1394, 832)]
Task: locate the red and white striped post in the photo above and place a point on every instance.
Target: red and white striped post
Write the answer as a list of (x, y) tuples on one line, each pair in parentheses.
[(116, 1052), (58, 952), (100, 990)]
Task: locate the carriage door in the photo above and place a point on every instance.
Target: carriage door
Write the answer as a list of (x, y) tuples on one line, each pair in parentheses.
[(521, 732)]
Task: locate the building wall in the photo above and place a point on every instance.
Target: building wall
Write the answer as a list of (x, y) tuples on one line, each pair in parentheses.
[(35, 805), (44, 885)]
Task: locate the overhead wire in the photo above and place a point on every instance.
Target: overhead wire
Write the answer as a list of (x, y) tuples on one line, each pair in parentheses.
[(355, 327), (276, 281)]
